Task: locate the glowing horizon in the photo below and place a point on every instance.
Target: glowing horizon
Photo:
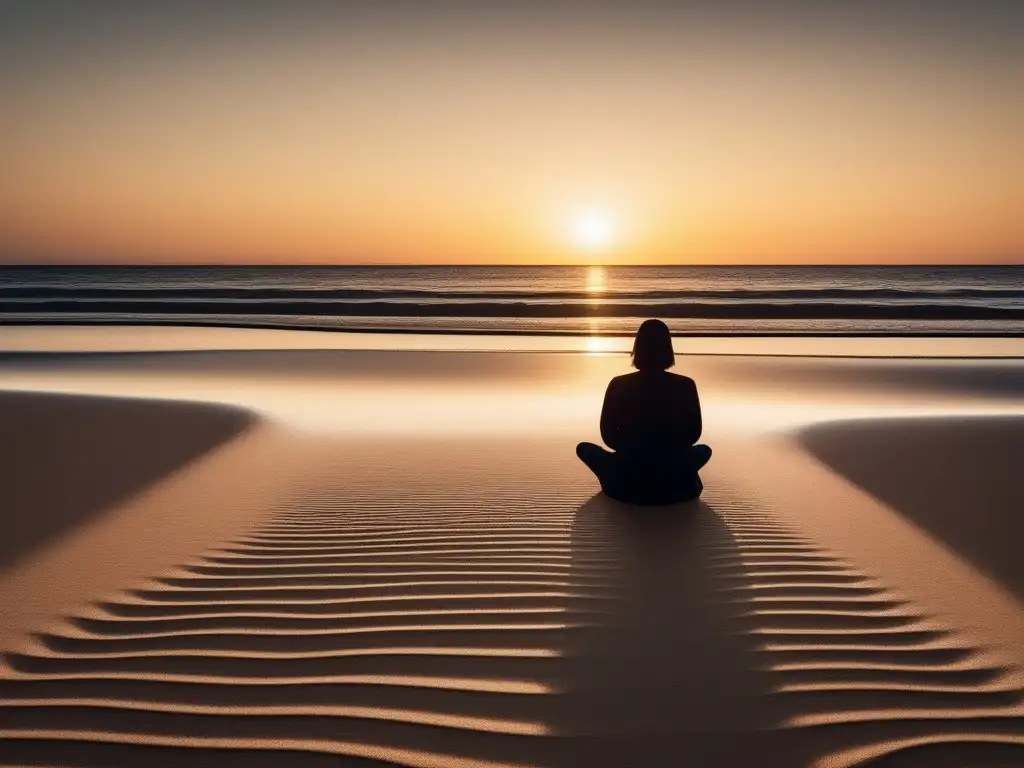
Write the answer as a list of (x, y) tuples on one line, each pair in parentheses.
[(391, 134)]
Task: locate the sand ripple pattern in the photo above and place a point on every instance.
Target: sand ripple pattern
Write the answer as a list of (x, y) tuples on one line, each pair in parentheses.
[(861, 677), (482, 622)]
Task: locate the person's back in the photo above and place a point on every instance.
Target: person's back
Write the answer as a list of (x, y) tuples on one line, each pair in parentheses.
[(652, 420), (651, 412)]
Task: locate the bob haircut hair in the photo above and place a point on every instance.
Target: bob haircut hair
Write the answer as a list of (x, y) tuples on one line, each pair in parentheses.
[(652, 348)]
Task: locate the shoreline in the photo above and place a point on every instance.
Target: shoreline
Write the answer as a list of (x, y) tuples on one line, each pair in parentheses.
[(88, 337)]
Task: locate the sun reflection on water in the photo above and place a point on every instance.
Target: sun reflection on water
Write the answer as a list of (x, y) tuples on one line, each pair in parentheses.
[(600, 345), (595, 343)]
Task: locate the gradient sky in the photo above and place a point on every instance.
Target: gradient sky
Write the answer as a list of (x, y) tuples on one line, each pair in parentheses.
[(366, 132)]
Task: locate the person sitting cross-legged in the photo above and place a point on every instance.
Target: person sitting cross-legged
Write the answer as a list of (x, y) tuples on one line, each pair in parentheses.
[(652, 421)]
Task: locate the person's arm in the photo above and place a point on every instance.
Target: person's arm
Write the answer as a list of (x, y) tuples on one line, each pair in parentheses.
[(695, 424), (611, 428)]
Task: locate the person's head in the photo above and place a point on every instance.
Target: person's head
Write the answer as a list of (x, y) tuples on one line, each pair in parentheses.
[(652, 348)]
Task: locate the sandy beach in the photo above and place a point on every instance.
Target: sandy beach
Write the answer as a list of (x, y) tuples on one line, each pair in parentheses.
[(228, 552)]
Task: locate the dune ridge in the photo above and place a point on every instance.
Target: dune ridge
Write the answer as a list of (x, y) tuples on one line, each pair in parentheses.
[(967, 492), (68, 459)]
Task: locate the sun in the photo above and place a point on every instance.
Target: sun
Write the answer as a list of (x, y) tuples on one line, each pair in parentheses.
[(594, 231)]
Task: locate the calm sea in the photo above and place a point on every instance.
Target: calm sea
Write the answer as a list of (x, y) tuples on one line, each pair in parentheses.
[(563, 300)]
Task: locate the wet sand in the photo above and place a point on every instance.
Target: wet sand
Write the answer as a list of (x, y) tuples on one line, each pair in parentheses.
[(281, 557)]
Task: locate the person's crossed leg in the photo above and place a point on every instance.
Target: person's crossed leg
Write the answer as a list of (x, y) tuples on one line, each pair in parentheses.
[(628, 480)]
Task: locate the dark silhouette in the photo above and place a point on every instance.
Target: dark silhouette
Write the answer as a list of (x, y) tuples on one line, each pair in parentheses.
[(651, 419)]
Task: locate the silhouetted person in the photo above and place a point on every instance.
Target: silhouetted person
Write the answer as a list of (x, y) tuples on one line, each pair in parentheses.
[(651, 419)]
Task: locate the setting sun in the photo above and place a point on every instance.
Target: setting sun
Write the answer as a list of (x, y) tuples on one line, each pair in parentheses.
[(594, 231)]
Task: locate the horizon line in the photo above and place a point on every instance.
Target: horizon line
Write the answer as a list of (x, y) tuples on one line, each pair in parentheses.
[(476, 265)]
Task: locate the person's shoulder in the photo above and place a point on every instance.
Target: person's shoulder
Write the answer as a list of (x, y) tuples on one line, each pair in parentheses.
[(682, 381), (625, 382), (631, 376), (679, 377), (618, 381)]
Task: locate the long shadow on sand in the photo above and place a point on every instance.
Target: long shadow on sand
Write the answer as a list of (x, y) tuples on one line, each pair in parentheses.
[(66, 459), (957, 478), (665, 673)]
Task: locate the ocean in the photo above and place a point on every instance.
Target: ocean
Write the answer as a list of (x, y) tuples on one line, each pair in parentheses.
[(530, 300)]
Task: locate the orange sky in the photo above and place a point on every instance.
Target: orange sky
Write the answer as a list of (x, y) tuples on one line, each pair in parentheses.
[(378, 133)]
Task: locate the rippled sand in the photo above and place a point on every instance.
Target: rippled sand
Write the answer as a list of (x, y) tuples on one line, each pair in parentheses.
[(393, 557)]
